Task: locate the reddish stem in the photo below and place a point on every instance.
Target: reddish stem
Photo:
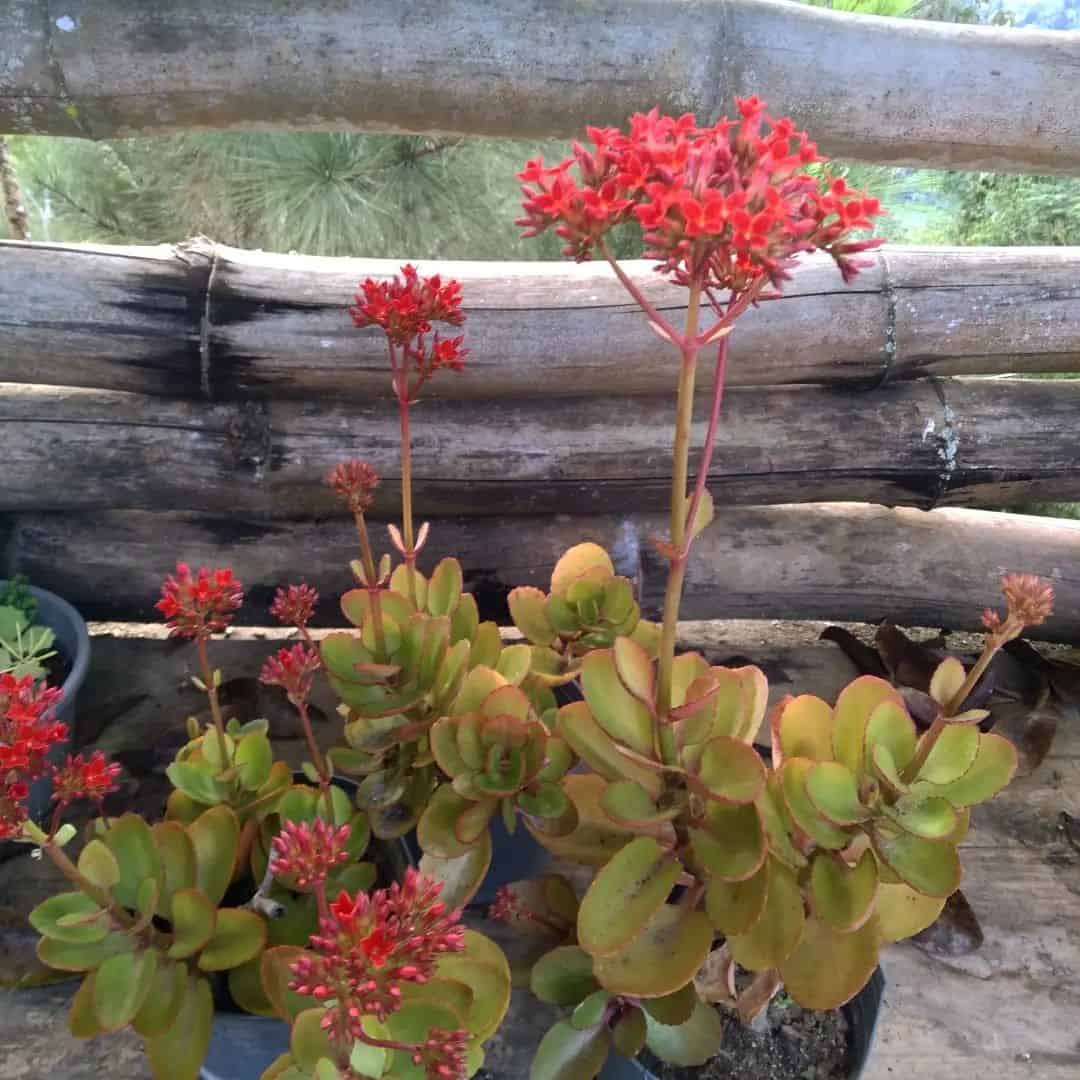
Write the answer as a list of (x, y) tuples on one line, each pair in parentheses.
[(313, 747), (676, 336), (212, 695)]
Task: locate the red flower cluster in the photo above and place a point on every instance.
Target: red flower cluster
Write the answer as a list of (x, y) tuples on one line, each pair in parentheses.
[(354, 482), (293, 670), (308, 852), (91, 778), (294, 605), (405, 307), (27, 733), (722, 206), (369, 945), (200, 605), (443, 1054)]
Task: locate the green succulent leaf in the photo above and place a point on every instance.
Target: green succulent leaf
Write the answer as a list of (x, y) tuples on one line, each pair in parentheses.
[(578, 561), (621, 715), (437, 829), (673, 1009), (163, 1001), (239, 936), (591, 1011), (993, 768), (198, 781), (254, 759), (177, 855), (930, 866), (527, 611), (514, 662), (595, 838), (842, 895), (444, 588), (490, 984), (85, 956), (891, 725), (461, 876), (663, 958), (599, 750), (179, 1052), (246, 989), (71, 917), (952, 755), (275, 966), (901, 911), (778, 929), (692, 1043), (625, 895), (566, 1053), (194, 918), (834, 791), (947, 680), (98, 865), (804, 728), (731, 771), (852, 715), (734, 906), (628, 1033), (214, 836), (563, 976), (794, 774), (772, 809), (828, 968), (465, 621), (932, 818), (131, 841), (732, 847), (82, 1023), (635, 669), (121, 985), (309, 1041)]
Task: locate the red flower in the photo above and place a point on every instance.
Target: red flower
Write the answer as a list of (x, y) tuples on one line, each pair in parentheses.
[(308, 852), (294, 605), (78, 778), (355, 483), (406, 306), (293, 670), (200, 605), (368, 946), (27, 734), (723, 205)]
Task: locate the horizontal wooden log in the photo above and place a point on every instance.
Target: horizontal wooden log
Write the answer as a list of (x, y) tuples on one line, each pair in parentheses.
[(888, 90), (838, 562), (207, 320), (924, 443)]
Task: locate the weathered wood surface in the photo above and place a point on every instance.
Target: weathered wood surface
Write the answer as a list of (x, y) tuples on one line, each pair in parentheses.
[(922, 443), (829, 562), (205, 320), (887, 90)]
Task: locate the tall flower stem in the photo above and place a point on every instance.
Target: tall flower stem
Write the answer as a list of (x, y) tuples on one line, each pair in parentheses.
[(680, 470), (209, 683), (371, 573), (406, 493), (313, 747)]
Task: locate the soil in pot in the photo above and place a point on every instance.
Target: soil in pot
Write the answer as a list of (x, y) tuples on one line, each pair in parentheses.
[(788, 1043)]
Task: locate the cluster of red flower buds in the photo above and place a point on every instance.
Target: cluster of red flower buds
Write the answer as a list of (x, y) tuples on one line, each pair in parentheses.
[(200, 604), (354, 482), (85, 778), (367, 947), (307, 852), (1029, 601), (27, 734), (295, 605), (721, 206), (293, 669), (443, 1054), (405, 308)]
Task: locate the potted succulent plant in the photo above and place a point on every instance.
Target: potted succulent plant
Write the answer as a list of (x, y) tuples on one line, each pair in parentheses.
[(721, 871), (723, 876), (42, 636)]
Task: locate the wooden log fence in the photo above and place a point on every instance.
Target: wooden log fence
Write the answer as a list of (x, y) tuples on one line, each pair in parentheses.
[(205, 320), (924, 443), (846, 562), (878, 89)]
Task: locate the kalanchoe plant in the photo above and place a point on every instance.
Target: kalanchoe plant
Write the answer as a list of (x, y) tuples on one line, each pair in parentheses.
[(797, 868)]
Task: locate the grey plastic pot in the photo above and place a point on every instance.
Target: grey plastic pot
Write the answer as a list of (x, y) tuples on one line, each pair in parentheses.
[(862, 1011), (73, 640)]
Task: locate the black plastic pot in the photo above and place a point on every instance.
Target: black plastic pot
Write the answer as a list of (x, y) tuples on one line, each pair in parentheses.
[(243, 1046), (73, 641), (862, 1012)]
